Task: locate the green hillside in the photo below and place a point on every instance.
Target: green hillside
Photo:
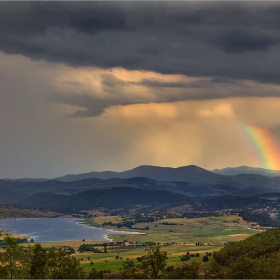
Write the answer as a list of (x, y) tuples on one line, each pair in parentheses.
[(257, 257)]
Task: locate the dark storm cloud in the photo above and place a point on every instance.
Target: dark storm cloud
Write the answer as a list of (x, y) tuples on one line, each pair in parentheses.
[(224, 42), (166, 37), (222, 81), (33, 18), (237, 41), (162, 84)]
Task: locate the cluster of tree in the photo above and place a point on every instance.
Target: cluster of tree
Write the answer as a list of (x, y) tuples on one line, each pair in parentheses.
[(37, 263), (88, 248), (151, 266), (67, 249), (144, 220), (154, 266), (185, 258), (200, 214), (170, 224), (127, 224), (255, 257), (18, 240), (138, 228), (263, 219), (188, 256)]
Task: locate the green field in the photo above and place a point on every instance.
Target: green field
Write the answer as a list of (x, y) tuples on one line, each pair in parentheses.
[(177, 239), (212, 230), (181, 238)]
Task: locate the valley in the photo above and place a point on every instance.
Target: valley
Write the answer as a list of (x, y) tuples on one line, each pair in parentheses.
[(200, 215), (175, 235)]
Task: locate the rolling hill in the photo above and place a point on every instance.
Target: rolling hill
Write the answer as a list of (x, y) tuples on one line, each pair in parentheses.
[(116, 198), (247, 170), (13, 191)]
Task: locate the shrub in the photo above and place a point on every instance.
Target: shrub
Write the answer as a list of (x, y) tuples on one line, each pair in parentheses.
[(205, 258), (185, 258)]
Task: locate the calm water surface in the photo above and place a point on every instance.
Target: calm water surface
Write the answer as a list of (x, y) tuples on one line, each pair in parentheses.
[(56, 229)]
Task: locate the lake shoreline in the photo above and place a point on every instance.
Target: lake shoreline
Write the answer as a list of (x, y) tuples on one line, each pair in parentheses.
[(40, 229)]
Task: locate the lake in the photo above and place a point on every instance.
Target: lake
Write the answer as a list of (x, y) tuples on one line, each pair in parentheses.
[(57, 229)]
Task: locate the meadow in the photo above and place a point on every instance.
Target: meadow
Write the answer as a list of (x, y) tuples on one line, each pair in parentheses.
[(176, 239), (177, 236)]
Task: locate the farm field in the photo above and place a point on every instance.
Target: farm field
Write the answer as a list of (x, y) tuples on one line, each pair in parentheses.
[(177, 236), (215, 230)]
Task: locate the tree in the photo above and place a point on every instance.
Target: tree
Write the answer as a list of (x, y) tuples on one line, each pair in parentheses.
[(39, 263), (152, 265), (242, 268), (133, 271), (94, 274), (185, 258), (14, 263), (214, 271), (154, 262), (63, 266), (187, 271), (205, 258)]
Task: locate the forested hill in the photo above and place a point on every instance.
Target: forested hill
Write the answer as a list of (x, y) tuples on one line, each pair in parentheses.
[(256, 257), (14, 191), (116, 198)]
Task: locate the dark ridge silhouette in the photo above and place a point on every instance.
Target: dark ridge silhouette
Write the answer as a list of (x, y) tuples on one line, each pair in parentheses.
[(116, 198)]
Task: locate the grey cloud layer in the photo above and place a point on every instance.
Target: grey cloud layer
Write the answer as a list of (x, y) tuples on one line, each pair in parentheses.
[(230, 40), (220, 42)]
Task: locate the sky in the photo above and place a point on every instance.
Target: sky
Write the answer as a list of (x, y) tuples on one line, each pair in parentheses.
[(94, 86)]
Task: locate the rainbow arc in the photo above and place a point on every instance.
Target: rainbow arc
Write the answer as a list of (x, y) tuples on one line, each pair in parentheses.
[(264, 145)]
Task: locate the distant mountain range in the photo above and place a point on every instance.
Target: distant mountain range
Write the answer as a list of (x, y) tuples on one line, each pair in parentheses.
[(247, 170), (167, 186), (191, 173), (13, 191), (188, 180)]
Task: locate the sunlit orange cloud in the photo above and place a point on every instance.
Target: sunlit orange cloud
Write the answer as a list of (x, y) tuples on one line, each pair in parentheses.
[(91, 75), (167, 110), (92, 78), (224, 110), (136, 76)]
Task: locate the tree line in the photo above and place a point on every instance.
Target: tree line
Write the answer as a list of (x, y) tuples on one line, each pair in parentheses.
[(17, 262), (36, 262)]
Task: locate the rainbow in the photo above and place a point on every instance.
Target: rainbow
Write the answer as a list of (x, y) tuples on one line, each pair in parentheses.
[(263, 143)]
